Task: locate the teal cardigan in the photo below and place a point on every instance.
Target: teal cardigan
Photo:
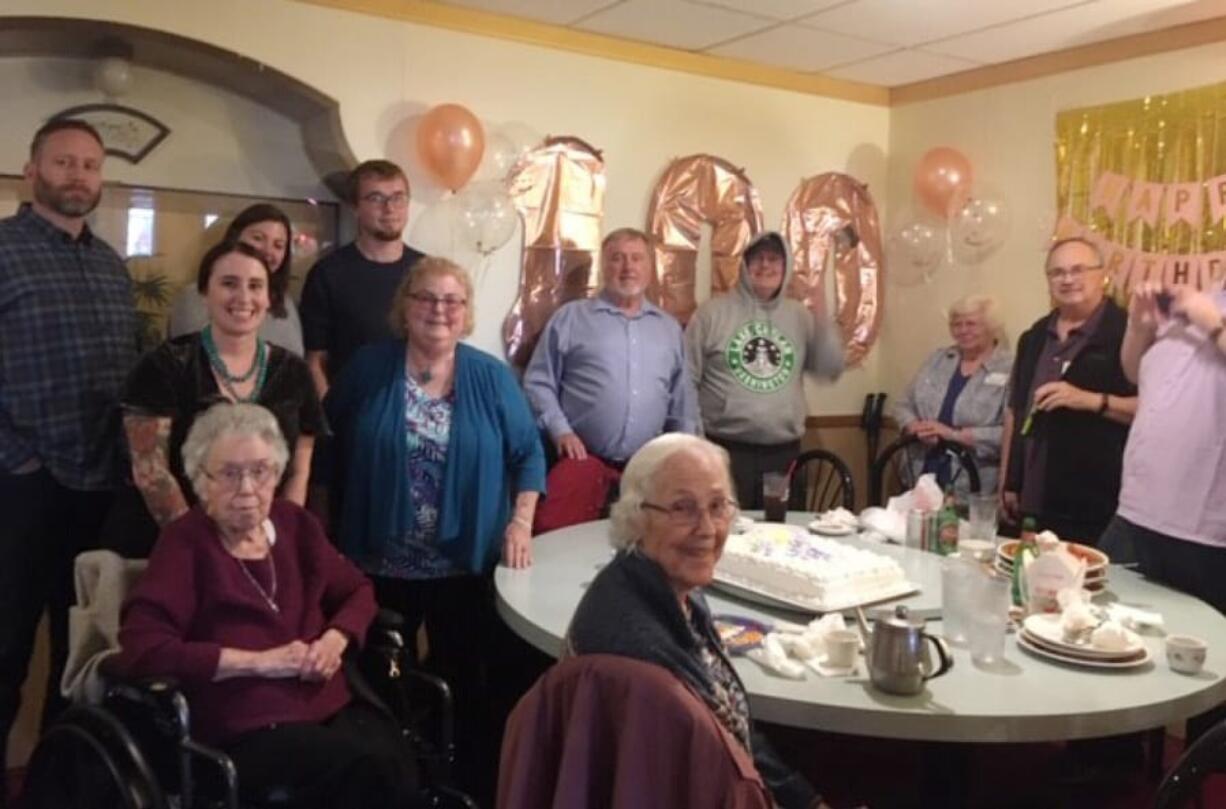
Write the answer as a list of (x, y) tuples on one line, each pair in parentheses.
[(493, 453)]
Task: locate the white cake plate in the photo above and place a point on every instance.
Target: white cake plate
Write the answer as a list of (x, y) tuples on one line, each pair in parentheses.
[(749, 592)]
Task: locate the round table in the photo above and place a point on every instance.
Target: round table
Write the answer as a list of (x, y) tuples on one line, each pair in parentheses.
[(1021, 699)]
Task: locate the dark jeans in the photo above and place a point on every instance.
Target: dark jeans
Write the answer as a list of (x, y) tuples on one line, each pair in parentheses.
[(43, 526), (356, 758), (1190, 567), (751, 461)]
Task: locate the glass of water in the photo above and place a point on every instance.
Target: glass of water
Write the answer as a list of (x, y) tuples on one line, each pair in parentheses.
[(987, 618)]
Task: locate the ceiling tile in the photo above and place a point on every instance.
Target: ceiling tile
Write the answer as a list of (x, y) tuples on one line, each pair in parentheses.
[(901, 67), (675, 23), (799, 48), (557, 12), (912, 22), (1081, 25), (775, 9)]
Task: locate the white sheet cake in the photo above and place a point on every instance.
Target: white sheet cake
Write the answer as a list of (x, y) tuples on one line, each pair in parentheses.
[(787, 562)]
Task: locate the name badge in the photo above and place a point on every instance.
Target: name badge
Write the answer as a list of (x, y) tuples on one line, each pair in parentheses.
[(996, 379)]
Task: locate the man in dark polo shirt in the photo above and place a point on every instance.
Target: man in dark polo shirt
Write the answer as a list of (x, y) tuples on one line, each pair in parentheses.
[(67, 341), (348, 293), (1070, 403)]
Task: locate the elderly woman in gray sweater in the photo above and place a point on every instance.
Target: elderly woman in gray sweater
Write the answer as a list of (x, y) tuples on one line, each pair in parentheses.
[(959, 395)]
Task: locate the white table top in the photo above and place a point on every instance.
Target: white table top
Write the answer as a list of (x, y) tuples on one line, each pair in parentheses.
[(1022, 699)]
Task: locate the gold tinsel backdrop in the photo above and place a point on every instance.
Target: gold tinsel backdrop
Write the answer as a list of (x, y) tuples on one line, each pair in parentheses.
[(1146, 180)]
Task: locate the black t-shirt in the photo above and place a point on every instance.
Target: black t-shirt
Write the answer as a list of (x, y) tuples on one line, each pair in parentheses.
[(175, 381), (346, 301)]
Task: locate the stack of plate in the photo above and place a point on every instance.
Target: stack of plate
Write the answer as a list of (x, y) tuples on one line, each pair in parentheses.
[(1096, 562), (1042, 636)]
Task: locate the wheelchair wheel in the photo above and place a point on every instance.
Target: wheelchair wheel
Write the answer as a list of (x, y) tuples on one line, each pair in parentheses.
[(87, 760)]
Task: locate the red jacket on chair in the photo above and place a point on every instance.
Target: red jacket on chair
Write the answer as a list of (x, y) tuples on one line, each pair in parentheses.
[(609, 731)]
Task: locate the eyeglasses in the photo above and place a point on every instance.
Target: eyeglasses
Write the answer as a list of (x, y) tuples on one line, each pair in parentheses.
[(688, 513), (449, 303), (1071, 273), (231, 477), (397, 200)]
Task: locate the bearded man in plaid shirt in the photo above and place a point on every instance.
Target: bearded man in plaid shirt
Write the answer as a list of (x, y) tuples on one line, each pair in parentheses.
[(67, 340)]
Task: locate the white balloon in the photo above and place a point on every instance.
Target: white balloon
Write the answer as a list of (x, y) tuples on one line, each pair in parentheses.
[(434, 230), (499, 157), (914, 249), (485, 216), (979, 227), (113, 76), (523, 136)]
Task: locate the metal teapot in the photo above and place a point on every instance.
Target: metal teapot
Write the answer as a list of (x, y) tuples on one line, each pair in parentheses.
[(898, 663)]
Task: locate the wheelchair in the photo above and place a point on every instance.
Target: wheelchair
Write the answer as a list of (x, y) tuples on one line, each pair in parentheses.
[(135, 749)]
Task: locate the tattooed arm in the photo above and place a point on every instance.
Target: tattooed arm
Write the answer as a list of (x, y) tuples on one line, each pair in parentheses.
[(149, 442), (300, 472)]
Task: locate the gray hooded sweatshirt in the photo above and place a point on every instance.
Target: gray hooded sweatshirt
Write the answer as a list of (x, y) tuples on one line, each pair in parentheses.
[(747, 358)]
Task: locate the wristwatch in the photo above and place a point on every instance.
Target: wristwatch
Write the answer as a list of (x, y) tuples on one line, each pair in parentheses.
[(1102, 408)]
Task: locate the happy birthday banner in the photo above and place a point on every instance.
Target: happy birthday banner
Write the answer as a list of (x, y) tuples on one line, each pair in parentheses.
[(1145, 180)]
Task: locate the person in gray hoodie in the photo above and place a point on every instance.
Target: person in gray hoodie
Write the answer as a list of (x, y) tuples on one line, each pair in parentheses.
[(748, 351)]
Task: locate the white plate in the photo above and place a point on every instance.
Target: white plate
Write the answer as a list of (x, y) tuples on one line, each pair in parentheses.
[(831, 529), (753, 594), (1044, 652), (1046, 628)]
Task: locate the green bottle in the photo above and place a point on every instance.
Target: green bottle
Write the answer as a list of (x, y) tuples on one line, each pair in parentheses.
[(1027, 547)]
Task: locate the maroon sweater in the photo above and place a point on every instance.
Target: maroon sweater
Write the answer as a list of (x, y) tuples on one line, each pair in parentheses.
[(195, 599)]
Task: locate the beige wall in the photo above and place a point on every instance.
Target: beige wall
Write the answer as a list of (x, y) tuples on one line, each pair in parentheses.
[(1008, 134), (386, 72), (218, 141)]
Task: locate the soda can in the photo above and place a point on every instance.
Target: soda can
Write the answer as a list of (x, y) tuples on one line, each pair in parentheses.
[(915, 528), (932, 531)]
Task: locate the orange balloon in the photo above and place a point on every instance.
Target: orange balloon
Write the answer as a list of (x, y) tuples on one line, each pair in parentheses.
[(450, 142), (943, 179)]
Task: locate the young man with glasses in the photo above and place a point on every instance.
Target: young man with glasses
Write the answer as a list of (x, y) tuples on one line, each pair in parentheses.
[(1070, 403), (348, 292)]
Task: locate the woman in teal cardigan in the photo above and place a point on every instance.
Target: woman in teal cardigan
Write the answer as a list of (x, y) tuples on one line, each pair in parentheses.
[(439, 467)]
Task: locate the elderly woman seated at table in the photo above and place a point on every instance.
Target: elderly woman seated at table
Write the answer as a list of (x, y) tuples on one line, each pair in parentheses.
[(669, 526), (959, 395), (249, 607)]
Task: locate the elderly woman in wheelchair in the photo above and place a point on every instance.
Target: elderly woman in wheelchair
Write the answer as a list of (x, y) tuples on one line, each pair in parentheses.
[(247, 606)]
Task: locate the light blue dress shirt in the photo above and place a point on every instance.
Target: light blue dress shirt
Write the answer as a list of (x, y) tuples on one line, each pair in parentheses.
[(614, 380)]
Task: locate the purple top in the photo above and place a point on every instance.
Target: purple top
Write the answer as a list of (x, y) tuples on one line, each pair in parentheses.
[(1175, 462), (195, 598), (1054, 360)]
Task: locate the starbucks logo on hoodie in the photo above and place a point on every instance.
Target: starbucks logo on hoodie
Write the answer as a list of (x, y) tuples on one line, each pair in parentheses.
[(761, 357)]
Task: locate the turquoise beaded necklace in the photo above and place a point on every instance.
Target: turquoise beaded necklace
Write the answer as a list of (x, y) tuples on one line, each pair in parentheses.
[(258, 369)]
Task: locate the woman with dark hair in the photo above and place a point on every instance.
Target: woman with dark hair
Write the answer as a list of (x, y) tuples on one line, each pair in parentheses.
[(266, 228), (227, 360)]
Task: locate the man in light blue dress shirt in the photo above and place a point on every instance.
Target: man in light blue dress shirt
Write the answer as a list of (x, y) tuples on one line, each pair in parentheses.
[(608, 375)]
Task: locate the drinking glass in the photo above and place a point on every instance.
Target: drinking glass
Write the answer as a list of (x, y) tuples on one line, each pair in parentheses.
[(775, 496), (988, 618), (957, 580), (983, 516)]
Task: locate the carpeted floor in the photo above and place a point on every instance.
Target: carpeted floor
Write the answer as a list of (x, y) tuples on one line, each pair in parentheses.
[(888, 775)]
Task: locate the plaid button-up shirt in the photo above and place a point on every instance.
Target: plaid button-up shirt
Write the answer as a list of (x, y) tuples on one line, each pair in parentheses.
[(67, 342)]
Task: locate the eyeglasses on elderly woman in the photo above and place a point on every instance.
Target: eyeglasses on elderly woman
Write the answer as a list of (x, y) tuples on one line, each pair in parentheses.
[(231, 476), (688, 513)]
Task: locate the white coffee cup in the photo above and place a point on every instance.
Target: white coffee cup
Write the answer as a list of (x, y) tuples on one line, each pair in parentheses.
[(1185, 653), (841, 648)]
